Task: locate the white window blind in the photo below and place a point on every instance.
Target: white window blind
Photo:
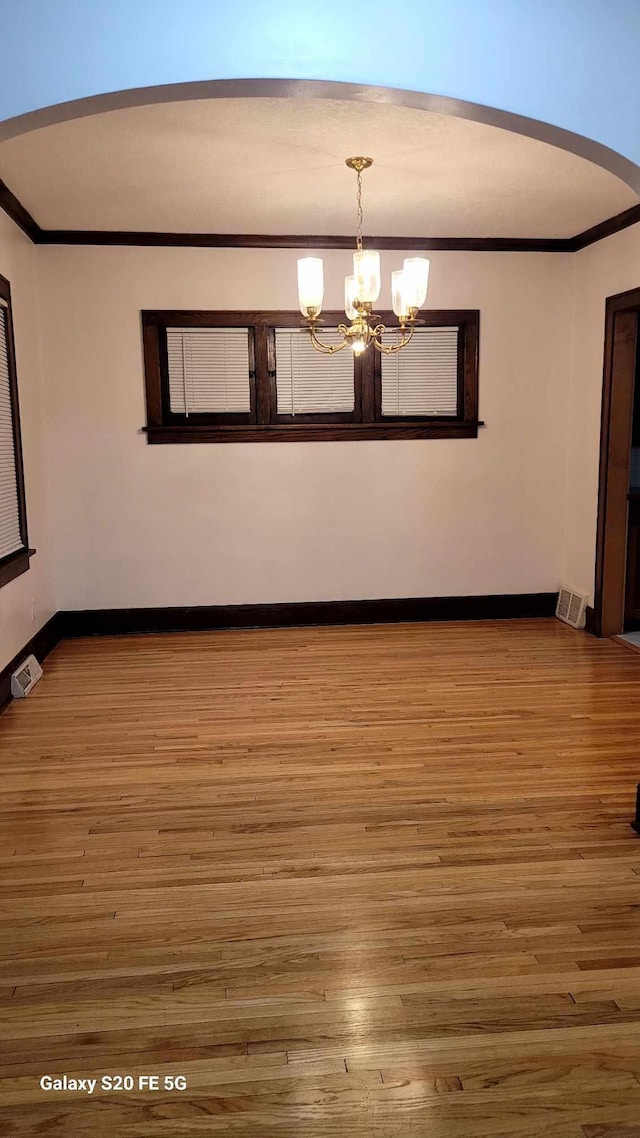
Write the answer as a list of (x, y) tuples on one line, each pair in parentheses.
[(309, 382), (208, 370), (422, 378), (10, 539)]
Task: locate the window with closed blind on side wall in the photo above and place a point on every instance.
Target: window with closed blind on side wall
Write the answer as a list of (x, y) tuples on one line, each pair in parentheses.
[(14, 545), (255, 377)]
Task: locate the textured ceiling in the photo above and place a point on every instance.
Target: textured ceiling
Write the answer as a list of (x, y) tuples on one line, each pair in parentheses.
[(277, 166)]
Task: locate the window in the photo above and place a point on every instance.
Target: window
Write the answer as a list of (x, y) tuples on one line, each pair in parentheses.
[(255, 377), (308, 383), (422, 379), (14, 545), (209, 373)]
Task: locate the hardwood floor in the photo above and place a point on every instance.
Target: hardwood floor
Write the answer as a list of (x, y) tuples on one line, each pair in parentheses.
[(353, 881)]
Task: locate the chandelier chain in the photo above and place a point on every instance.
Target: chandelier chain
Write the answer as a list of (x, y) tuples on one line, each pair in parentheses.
[(359, 213)]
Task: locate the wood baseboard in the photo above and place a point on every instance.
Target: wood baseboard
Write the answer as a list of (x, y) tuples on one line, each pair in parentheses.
[(116, 622), (590, 620)]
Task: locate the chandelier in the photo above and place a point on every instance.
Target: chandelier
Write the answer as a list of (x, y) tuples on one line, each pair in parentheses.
[(408, 291)]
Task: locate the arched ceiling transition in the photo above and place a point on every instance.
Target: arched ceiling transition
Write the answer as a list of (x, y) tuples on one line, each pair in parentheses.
[(273, 165), (571, 64)]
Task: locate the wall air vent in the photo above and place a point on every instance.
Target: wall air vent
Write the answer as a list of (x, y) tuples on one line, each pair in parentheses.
[(25, 677), (571, 607)]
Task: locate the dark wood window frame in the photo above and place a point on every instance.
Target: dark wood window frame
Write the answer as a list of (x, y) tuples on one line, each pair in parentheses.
[(266, 425), (16, 563)]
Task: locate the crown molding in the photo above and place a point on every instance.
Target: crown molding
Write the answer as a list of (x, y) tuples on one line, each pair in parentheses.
[(302, 241), (606, 228), (39, 236), (17, 212)]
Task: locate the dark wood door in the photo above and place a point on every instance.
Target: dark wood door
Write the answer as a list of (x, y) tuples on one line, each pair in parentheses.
[(632, 585), (615, 461)]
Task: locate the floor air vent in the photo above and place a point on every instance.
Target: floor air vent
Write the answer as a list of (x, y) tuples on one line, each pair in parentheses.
[(25, 677), (571, 607)]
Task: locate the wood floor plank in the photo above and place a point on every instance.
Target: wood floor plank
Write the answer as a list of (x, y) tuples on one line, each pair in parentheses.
[(370, 881)]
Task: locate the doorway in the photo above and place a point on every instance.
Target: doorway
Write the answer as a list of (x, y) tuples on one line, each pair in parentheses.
[(617, 588)]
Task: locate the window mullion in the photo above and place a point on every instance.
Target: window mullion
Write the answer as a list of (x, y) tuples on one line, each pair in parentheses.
[(365, 366), (264, 374)]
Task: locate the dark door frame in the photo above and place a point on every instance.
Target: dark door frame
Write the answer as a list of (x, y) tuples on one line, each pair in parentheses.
[(621, 333)]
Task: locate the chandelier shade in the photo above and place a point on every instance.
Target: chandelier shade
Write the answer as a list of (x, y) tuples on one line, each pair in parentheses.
[(366, 270), (310, 285), (416, 270), (399, 294), (350, 293), (361, 291)]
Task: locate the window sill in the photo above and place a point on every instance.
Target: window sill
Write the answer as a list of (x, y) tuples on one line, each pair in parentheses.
[(311, 432), (15, 564)]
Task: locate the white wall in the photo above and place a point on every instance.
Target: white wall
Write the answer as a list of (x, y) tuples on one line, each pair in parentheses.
[(27, 602), (210, 524), (513, 511), (601, 270)]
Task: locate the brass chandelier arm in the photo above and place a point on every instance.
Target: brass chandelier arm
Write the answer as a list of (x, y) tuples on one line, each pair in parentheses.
[(362, 331), (324, 348), (378, 333)]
